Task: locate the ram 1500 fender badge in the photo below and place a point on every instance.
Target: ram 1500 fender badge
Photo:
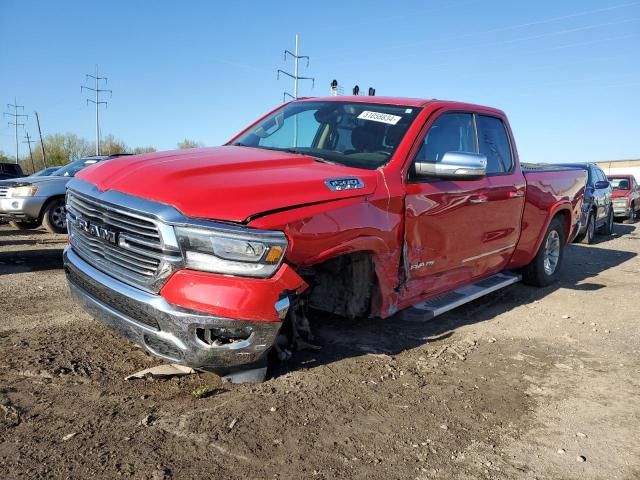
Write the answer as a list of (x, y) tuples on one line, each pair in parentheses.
[(346, 183), (416, 266)]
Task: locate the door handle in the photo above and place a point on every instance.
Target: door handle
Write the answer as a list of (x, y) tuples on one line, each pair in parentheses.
[(516, 194), (479, 199)]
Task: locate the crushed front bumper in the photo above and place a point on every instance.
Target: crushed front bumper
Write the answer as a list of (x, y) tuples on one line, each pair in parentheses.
[(175, 334)]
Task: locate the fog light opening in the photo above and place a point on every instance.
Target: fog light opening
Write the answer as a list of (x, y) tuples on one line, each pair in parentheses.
[(218, 336)]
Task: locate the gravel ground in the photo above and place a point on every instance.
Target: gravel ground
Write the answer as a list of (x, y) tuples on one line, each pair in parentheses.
[(525, 383)]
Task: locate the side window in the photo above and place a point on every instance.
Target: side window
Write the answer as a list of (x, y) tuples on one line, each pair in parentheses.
[(451, 132), (494, 143)]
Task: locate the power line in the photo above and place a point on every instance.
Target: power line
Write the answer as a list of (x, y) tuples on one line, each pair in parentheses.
[(16, 119), (28, 141), (296, 57), (97, 91), (44, 155)]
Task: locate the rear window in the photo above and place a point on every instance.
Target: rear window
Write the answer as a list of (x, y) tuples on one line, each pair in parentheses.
[(494, 144)]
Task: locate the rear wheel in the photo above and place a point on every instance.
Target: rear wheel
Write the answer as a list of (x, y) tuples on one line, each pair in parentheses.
[(54, 216), (25, 225), (590, 234), (632, 216), (607, 228), (544, 268)]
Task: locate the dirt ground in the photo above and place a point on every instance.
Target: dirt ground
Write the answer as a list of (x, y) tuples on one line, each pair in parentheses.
[(525, 383)]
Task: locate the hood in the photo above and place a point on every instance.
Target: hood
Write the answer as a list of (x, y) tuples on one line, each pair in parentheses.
[(229, 183), (34, 180), (620, 193)]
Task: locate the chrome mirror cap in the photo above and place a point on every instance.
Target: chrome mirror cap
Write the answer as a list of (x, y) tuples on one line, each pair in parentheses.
[(454, 165)]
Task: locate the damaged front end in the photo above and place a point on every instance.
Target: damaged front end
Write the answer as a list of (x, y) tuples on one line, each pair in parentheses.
[(178, 335)]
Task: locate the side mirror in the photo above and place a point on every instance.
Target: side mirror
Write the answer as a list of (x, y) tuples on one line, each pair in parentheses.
[(455, 165), (601, 184)]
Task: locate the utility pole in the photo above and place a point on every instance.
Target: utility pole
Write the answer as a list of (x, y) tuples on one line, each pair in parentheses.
[(296, 57), (44, 155), (16, 120), (28, 141), (97, 91)]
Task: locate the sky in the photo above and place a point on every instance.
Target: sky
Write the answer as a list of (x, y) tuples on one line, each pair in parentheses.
[(567, 73)]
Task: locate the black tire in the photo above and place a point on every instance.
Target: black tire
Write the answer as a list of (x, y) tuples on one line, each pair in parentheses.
[(54, 216), (632, 217), (590, 233), (607, 228), (25, 225), (536, 273)]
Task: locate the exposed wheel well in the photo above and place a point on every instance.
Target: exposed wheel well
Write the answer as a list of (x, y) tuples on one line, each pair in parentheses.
[(565, 218), (343, 285)]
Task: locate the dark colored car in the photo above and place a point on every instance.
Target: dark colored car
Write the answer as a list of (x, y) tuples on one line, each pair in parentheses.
[(10, 170), (597, 209)]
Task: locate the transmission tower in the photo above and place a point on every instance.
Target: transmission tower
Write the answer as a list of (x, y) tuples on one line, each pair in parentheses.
[(97, 91), (16, 120), (296, 57)]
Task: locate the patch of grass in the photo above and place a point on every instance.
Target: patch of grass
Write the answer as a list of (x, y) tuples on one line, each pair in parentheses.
[(202, 392)]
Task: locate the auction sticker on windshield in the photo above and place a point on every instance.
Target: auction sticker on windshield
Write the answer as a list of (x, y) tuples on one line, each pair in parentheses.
[(380, 117)]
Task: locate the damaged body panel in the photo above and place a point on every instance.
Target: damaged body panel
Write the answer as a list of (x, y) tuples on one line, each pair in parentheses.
[(357, 206)]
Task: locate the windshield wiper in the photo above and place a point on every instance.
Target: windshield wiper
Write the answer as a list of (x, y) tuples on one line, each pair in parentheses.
[(287, 150)]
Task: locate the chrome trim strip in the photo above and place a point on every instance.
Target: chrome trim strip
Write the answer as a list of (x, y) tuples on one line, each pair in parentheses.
[(486, 254)]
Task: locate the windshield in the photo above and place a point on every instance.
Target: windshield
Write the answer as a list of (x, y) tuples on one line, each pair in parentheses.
[(620, 183), (362, 135), (74, 167)]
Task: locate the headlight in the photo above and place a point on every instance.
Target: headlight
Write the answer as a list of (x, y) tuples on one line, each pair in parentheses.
[(28, 191), (251, 255)]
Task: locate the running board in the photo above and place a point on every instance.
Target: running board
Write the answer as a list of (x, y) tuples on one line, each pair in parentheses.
[(448, 301)]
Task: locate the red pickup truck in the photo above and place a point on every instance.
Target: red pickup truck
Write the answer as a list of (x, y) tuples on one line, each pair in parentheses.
[(358, 206), (625, 196)]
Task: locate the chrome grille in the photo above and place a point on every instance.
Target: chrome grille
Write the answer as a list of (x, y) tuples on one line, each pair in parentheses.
[(3, 191), (136, 254)]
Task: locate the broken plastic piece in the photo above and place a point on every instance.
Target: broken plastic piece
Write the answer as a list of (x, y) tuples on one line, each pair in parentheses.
[(160, 371)]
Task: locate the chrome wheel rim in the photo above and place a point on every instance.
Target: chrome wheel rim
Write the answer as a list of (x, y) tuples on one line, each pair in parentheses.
[(551, 252), (57, 216)]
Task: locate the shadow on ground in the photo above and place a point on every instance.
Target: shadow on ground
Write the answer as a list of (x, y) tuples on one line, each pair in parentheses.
[(30, 260), (340, 338)]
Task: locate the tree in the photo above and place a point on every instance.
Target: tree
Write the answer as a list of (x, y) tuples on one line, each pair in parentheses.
[(139, 150), (4, 158), (186, 143), (110, 145)]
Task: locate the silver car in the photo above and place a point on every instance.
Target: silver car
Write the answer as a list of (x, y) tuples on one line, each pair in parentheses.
[(30, 202)]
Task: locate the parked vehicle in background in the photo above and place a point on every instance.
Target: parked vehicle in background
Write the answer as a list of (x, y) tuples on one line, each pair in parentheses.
[(626, 197), (597, 209), (358, 206), (10, 170), (30, 202), (45, 172)]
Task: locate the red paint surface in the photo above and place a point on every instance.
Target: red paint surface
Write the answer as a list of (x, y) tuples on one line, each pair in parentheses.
[(232, 297), (279, 191)]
